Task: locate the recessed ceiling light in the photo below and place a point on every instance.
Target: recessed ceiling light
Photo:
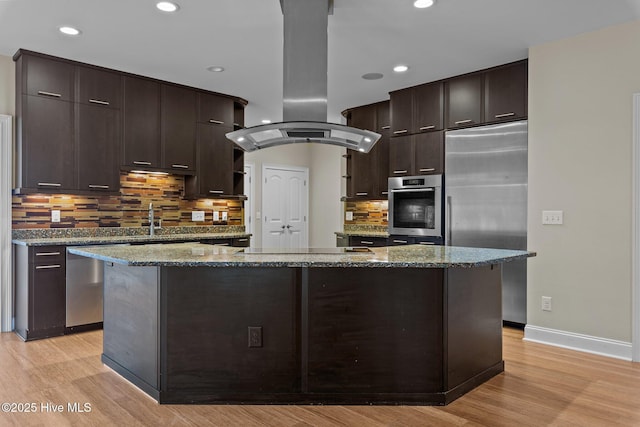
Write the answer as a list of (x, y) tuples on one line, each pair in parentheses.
[(167, 6), (70, 31), (215, 69), (421, 4), (400, 68), (372, 76), (266, 121)]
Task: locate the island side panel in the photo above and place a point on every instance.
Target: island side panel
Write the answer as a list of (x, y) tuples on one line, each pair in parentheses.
[(474, 326), (376, 330), (131, 324), (209, 353)]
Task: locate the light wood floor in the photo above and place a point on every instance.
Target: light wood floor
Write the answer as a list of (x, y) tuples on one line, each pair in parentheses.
[(542, 386)]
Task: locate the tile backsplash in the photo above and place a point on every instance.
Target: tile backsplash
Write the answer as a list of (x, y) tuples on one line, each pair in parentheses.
[(371, 212), (129, 209)]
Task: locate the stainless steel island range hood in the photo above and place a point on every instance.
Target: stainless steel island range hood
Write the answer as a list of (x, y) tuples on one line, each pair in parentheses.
[(304, 108)]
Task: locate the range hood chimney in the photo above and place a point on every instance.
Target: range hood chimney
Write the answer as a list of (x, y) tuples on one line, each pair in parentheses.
[(304, 108)]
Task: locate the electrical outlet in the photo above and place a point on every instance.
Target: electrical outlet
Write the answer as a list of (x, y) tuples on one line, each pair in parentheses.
[(197, 215), (225, 215), (216, 216), (546, 304), (55, 216), (552, 217), (348, 216), (255, 336)]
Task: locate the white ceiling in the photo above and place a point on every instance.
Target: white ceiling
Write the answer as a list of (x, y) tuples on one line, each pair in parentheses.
[(245, 37)]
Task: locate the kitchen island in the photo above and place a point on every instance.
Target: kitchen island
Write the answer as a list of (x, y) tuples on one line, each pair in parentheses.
[(194, 323)]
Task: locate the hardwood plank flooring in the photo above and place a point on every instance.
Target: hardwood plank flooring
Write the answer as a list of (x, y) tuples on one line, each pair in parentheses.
[(542, 386)]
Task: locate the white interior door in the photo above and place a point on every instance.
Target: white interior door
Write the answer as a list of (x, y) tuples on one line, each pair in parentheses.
[(284, 207), (6, 172)]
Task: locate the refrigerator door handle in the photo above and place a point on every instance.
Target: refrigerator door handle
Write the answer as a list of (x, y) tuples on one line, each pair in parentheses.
[(449, 224)]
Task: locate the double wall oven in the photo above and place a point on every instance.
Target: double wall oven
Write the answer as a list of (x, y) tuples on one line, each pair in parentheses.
[(415, 205)]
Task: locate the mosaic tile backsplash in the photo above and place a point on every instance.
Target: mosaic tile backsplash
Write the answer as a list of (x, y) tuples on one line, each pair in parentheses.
[(372, 212), (129, 209)]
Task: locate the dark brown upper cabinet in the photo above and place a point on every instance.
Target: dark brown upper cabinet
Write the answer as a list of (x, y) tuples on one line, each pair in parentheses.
[(178, 128), (505, 92), (429, 153), (428, 102), (141, 123), (417, 109), (99, 136), (46, 144), (366, 172), (47, 78), (98, 87), (218, 110), (99, 131), (420, 154), (215, 163), (464, 100)]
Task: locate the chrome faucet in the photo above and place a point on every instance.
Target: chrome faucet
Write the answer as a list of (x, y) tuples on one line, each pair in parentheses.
[(152, 226)]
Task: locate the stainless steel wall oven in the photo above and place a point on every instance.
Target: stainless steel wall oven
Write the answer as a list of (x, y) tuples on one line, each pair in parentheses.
[(415, 205)]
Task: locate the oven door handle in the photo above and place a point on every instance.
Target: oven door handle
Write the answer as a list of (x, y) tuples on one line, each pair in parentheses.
[(405, 190)]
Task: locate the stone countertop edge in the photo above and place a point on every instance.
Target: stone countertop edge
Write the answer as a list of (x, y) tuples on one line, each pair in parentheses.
[(96, 240), (203, 255), (358, 233)]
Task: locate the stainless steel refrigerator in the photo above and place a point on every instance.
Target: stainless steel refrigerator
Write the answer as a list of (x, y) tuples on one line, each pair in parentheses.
[(486, 200)]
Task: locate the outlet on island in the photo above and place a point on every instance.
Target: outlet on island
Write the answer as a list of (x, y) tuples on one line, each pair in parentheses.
[(197, 215)]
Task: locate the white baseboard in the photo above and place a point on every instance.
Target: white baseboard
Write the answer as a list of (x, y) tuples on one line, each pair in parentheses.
[(579, 342)]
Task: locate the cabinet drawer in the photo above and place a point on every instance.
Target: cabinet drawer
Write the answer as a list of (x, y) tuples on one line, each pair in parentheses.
[(241, 242), (48, 255), (367, 241)]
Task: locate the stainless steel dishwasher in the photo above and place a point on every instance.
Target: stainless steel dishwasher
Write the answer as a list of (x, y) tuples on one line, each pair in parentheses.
[(84, 292)]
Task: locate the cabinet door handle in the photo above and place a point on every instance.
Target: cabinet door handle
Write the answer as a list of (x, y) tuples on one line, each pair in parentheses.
[(385, 193), (47, 253), (97, 101), (398, 132), (366, 242), (400, 241), (216, 191), (141, 163), (385, 127), (217, 122), (428, 127), (44, 267), (177, 166), (101, 187), (361, 194), (461, 122), (499, 116), (49, 184), (242, 240), (400, 171), (426, 243), (55, 95), (427, 169), (222, 244)]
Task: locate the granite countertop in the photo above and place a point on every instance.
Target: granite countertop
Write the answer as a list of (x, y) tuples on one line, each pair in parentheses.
[(97, 240), (197, 254)]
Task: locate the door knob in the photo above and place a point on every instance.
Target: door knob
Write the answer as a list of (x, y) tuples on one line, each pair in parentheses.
[(288, 226), (282, 227)]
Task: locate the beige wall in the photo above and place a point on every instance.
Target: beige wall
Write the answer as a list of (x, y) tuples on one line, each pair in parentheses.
[(580, 139), (7, 86)]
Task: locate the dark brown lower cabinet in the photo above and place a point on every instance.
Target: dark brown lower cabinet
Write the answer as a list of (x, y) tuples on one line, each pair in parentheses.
[(40, 286), (327, 335)]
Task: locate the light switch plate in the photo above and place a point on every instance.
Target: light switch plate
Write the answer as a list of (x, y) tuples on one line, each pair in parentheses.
[(55, 216), (552, 218), (197, 215), (216, 215), (348, 216), (224, 215)]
